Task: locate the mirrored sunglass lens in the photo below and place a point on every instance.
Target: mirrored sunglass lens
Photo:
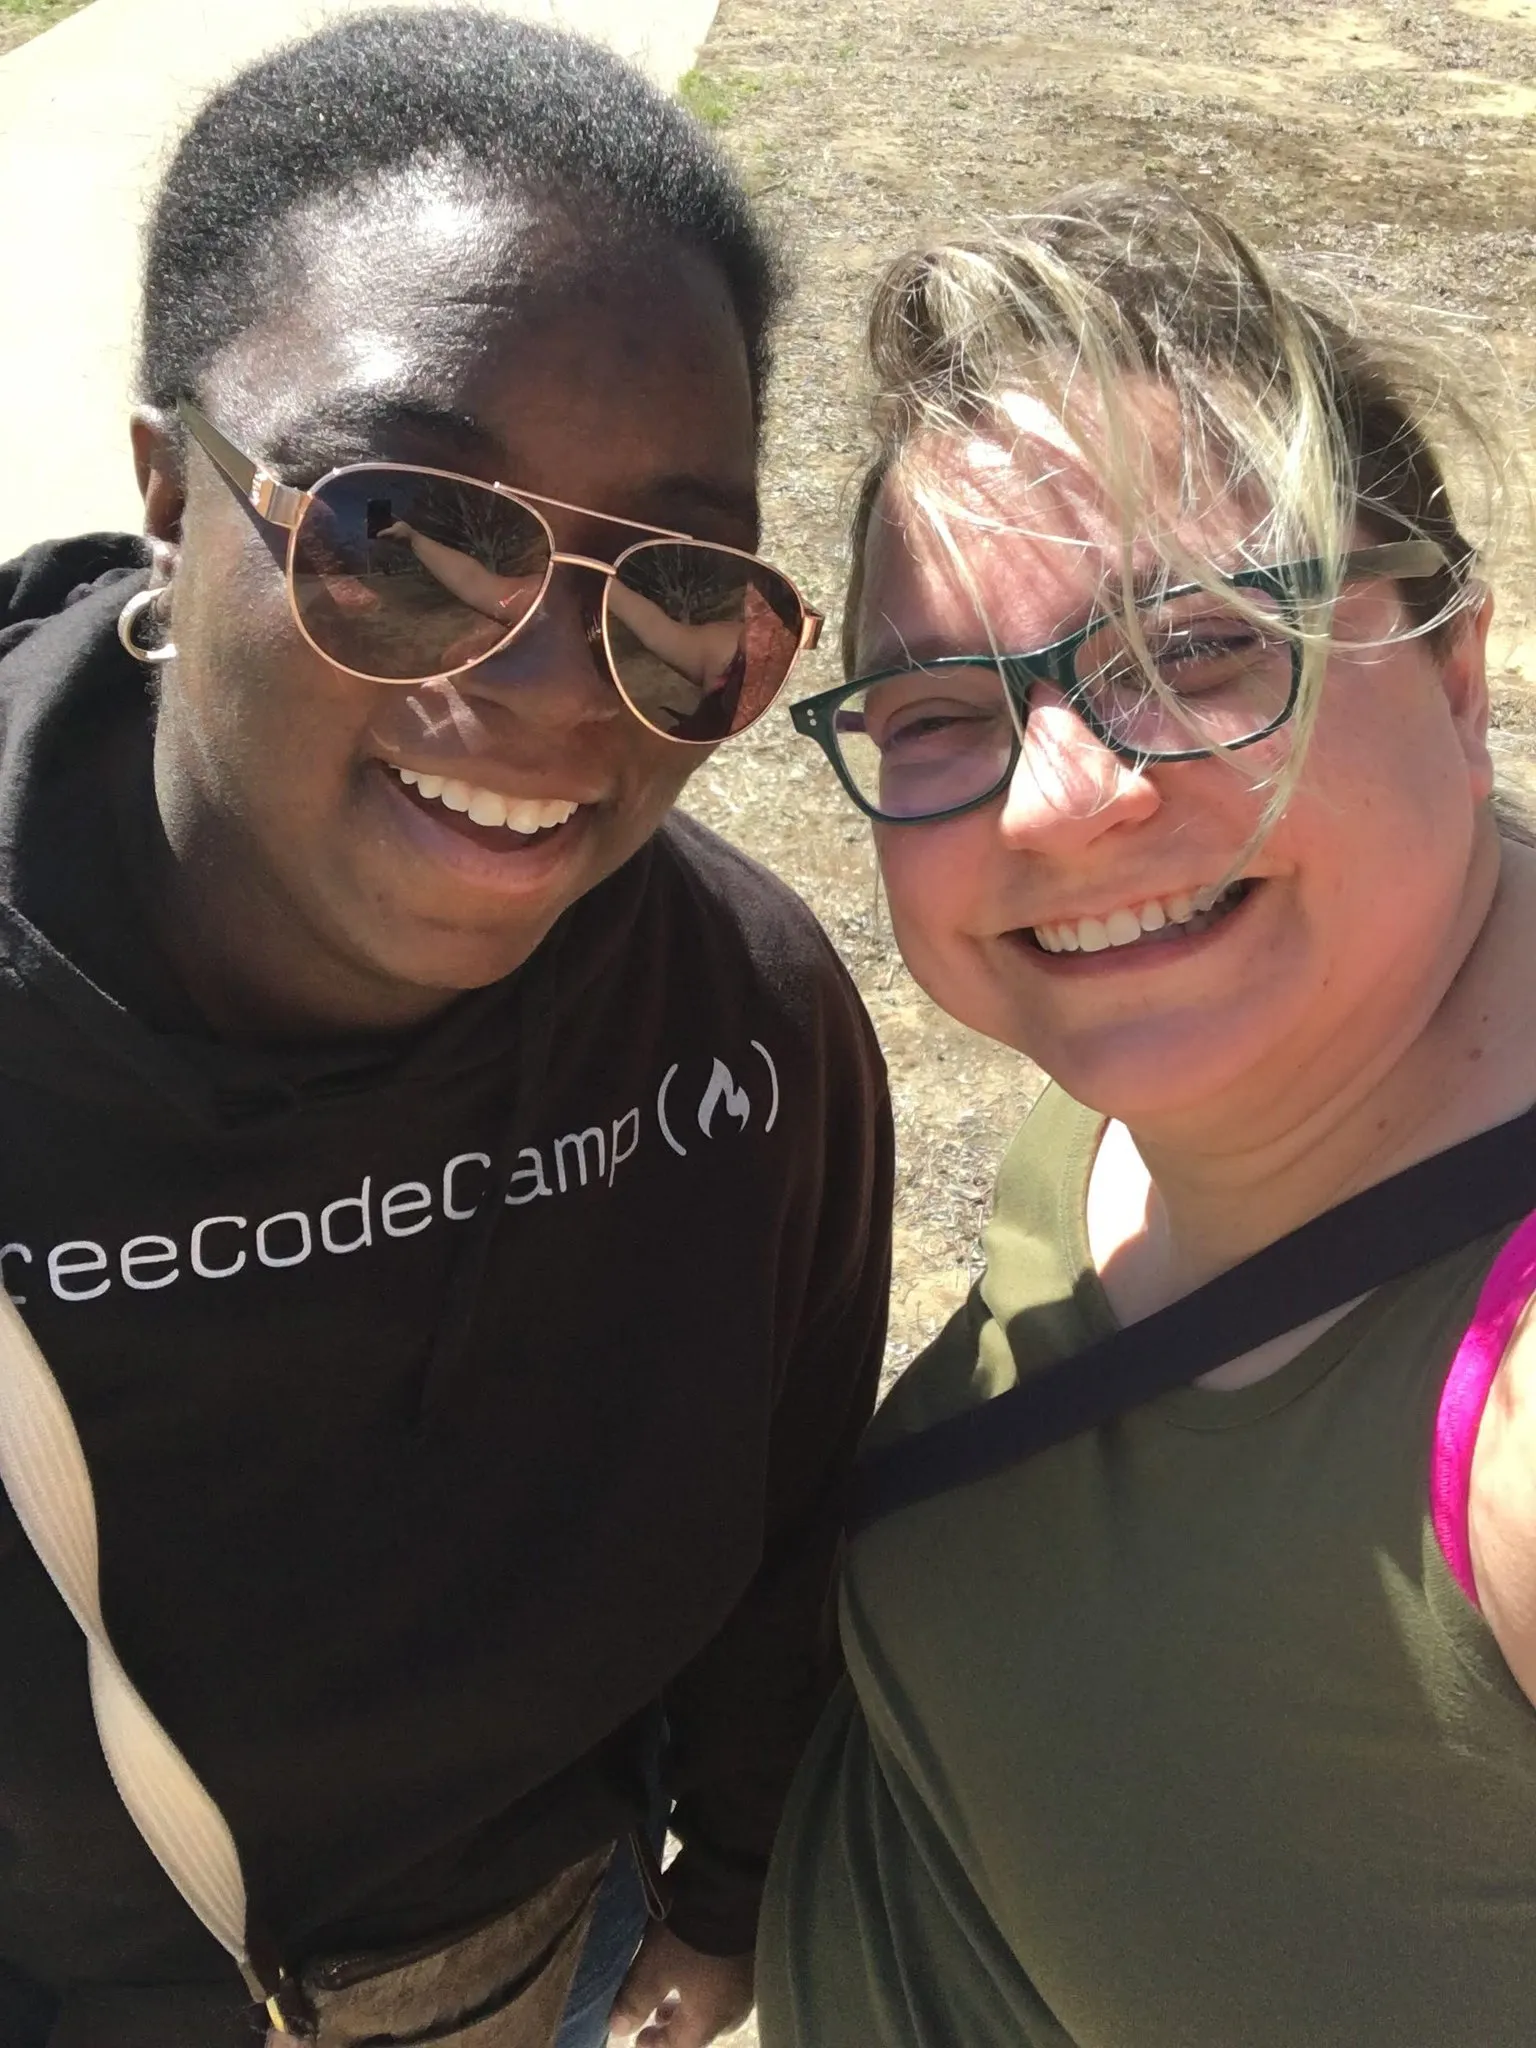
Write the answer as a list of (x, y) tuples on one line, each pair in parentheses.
[(927, 741), (1225, 672), (405, 576), (701, 639)]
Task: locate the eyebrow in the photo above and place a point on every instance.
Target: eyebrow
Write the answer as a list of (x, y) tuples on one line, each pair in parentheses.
[(377, 421), (894, 651), (351, 425)]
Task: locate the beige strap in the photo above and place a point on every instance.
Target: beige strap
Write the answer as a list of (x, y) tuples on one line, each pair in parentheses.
[(43, 1469)]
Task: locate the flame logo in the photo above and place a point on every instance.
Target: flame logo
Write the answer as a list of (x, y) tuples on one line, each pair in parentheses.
[(722, 1089)]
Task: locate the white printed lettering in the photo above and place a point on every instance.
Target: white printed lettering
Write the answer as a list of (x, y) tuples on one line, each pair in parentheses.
[(306, 1241), (200, 1265), (459, 1159), (534, 1173), (661, 1111), (79, 1269), (140, 1252), (773, 1075), (722, 1089), (18, 1251), (410, 1198), (616, 1158), (365, 1221), (577, 1141), (62, 1267)]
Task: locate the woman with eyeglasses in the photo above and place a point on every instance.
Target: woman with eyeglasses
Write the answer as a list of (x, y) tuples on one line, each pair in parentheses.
[(1189, 1605), (444, 1194)]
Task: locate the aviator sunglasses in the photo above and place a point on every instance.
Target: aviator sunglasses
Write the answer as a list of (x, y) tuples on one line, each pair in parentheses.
[(401, 574), (1188, 673)]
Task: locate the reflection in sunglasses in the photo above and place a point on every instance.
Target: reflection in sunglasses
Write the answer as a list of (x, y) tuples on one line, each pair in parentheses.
[(697, 660), (498, 597), (405, 574), (704, 655)]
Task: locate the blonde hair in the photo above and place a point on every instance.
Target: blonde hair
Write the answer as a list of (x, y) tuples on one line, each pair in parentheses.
[(1289, 403)]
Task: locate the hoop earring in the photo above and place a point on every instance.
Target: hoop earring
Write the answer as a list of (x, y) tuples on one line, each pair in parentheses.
[(128, 619)]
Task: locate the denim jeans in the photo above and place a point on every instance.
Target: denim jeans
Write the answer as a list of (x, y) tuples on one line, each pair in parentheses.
[(619, 1923), (615, 1934)]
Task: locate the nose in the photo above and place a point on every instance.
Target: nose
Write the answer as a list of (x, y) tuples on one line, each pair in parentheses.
[(1068, 789), (554, 675)]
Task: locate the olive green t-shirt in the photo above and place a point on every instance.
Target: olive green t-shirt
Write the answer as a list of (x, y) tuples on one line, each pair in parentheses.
[(1180, 1735)]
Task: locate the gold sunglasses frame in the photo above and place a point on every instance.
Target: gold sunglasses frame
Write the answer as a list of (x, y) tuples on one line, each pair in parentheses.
[(286, 506)]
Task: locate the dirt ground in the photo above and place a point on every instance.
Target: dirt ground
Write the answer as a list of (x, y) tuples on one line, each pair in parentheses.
[(1394, 146)]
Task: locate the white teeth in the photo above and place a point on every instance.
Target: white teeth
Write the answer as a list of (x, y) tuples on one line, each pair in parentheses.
[(1125, 927), (523, 815), (487, 808)]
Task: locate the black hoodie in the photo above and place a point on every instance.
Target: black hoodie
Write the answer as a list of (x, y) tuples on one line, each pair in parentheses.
[(448, 1403)]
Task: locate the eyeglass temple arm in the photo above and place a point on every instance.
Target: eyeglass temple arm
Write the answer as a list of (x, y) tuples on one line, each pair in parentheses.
[(1409, 559), (278, 503), (810, 631)]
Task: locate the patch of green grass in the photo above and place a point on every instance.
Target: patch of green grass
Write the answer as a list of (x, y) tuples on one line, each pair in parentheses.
[(20, 20), (714, 101)]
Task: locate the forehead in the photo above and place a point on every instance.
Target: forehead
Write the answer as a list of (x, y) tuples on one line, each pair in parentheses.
[(402, 309), (1014, 534)]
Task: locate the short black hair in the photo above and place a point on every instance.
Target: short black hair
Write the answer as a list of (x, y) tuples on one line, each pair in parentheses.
[(533, 110)]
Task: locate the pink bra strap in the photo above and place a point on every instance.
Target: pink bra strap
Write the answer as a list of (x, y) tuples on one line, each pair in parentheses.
[(1506, 1291)]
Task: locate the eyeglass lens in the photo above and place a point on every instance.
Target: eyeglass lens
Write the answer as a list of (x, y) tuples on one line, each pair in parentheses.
[(406, 576), (701, 639), (1225, 670), (933, 740)]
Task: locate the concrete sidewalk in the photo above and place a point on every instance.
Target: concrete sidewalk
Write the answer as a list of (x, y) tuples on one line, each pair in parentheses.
[(89, 113)]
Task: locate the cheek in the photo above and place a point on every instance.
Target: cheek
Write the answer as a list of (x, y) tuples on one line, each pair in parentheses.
[(264, 720), (1384, 819), (932, 876), (661, 771)]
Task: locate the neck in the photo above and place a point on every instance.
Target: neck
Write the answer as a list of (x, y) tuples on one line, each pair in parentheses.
[(1174, 1202)]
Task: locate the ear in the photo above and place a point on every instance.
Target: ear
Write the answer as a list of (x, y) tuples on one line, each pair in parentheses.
[(1464, 678), (157, 463)]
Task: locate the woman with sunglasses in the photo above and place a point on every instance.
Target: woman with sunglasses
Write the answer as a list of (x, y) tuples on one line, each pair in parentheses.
[(448, 1193), (1208, 1721)]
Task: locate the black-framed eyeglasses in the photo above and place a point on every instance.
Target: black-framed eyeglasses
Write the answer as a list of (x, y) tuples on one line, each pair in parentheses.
[(403, 574), (927, 740)]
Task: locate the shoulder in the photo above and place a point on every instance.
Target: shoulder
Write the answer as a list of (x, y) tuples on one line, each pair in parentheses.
[(737, 892), (724, 905), (1035, 1302), (56, 575)]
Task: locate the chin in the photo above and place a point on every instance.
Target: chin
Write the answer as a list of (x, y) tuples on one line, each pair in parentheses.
[(1146, 1073), (459, 963)]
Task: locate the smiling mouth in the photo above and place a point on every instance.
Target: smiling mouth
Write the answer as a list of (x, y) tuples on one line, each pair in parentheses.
[(486, 814), (1157, 921)]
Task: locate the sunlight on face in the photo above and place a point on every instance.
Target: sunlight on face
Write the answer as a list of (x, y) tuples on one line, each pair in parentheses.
[(1073, 917)]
